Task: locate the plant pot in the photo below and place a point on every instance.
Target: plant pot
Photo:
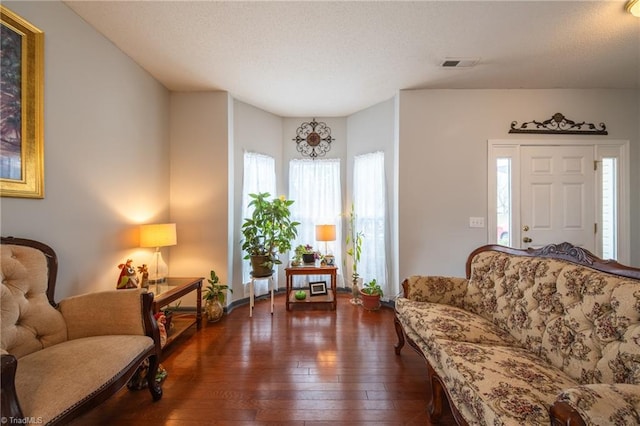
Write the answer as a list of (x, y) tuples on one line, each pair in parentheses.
[(213, 309), (370, 303), (168, 316), (258, 270), (309, 258)]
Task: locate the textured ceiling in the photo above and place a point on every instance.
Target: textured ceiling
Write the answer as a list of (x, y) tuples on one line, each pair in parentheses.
[(335, 58)]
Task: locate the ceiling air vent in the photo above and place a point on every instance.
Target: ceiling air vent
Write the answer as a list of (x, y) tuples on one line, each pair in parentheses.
[(459, 62)]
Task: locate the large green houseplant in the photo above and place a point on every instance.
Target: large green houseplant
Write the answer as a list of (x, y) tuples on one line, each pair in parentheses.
[(267, 232)]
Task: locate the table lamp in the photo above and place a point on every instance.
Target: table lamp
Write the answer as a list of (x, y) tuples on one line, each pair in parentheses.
[(158, 235), (325, 233)]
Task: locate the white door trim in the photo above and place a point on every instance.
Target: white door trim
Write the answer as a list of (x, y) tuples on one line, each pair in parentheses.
[(510, 148)]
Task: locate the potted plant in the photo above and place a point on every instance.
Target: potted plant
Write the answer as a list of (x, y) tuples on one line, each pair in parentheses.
[(305, 254), (354, 240), (168, 315), (267, 232), (215, 297), (371, 293)]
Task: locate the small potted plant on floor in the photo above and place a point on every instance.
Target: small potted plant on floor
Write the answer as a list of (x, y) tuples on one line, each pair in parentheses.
[(215, 297), (267, 232), (371, 293)]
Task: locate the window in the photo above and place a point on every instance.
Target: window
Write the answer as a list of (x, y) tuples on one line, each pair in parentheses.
[(609, 208), (503, 207), (370, 206), (259, 176), (314, 186)]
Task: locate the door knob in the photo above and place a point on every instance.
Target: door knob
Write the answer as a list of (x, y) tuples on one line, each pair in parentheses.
[(526, 240), (525, 228)]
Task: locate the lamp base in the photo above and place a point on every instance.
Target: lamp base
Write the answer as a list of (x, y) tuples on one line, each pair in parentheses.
[(159, 270)]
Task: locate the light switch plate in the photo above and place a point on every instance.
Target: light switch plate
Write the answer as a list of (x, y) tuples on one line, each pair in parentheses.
[(476, 222)]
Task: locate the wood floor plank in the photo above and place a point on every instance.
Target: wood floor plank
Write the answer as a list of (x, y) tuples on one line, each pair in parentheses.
[(300, 368)]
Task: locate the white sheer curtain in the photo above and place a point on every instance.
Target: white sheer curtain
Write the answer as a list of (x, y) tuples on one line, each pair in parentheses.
[(370, 206), (315, 187), (259, 175)]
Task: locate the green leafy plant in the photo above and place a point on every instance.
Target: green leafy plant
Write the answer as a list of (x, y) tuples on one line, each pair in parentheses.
[(372, 288), (304, 249), (354, 245), (215, 290), (269, 230)]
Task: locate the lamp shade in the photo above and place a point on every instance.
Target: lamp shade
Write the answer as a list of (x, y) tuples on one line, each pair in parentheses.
[(633, 7), (158, 235), (325, 232)]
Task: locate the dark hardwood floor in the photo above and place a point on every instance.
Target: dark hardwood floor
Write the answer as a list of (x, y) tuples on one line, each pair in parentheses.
[(292, 368)]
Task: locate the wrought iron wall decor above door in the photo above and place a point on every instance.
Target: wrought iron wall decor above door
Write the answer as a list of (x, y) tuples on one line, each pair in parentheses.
[(558, 124), (313, 139)]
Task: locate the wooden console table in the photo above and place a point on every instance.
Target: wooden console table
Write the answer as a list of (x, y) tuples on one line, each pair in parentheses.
[(170, 291), (329, 298)]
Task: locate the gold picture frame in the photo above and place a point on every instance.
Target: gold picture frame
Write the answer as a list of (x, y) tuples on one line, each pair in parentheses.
[(21, 120)]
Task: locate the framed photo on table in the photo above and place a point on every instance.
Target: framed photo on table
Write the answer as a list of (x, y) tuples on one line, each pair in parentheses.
[(317, 288), (21, 121)]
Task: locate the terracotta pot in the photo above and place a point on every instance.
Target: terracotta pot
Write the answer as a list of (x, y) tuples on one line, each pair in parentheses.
[(256, 266), (370, 303)]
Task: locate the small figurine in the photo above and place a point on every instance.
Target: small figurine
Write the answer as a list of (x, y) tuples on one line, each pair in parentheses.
[(144, 271), (127, 278)]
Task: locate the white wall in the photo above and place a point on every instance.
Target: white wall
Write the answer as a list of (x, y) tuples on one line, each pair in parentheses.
[(442, 160), (106, 153), (371, 130), (258, 131), (199, 185)]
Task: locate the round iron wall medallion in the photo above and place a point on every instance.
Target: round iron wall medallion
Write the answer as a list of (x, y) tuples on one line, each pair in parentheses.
[(313, 139)]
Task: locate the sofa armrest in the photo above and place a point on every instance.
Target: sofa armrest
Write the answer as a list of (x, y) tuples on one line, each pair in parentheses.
[(104, 313), (435, 289), (597, 404), (10, 405)]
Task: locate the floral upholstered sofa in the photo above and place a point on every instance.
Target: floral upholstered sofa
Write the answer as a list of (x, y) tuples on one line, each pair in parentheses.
[(60, 360), (530, 337)]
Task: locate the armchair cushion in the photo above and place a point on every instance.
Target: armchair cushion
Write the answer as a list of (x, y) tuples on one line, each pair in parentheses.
[(51, 382), (120, 313), (29, 322)]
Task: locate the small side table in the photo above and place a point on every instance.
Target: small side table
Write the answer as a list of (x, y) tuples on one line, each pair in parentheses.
[(270, 285), (170, 291), (330, 298)]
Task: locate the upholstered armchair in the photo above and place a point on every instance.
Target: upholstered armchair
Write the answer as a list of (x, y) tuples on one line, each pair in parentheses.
[(60, 360)]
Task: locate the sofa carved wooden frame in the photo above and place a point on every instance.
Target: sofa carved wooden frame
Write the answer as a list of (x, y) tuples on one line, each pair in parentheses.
[(561, 414), (9, 402)]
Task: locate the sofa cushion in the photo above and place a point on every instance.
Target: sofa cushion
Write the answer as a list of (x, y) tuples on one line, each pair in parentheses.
[(52, 381), (596, 339), (498, 384), (451, 323), (581, 320)]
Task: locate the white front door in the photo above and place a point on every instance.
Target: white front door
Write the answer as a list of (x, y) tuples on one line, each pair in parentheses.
[(557, 198)]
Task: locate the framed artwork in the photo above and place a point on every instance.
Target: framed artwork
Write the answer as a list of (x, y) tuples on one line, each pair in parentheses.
[(317, 288), (21, 107)]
